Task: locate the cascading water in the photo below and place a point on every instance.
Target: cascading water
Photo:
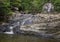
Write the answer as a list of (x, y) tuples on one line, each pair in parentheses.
[(10, 32), (48, 8), (11, 28), (27, 21), (33, 24)]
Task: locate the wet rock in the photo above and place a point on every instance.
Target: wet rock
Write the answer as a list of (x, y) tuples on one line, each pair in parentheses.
[(57, 37), (2, 29), (42, 25)]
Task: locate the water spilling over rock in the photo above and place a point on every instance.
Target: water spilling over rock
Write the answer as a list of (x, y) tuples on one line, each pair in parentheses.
[(48, 8), (44, 25)]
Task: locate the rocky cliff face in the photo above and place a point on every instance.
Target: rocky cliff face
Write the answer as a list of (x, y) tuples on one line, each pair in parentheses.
[(42, 23), (47, 25)]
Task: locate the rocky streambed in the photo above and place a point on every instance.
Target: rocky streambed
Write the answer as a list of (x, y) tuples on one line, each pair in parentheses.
[(42, 25)]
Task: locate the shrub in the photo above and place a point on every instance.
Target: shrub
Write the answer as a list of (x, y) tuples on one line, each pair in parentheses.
[(4, 9)]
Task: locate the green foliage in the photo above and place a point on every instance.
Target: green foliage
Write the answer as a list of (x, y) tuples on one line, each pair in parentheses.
[(15, 3), (4, 9), (32, 6), (57, 5), (37, 5), (26, 5)]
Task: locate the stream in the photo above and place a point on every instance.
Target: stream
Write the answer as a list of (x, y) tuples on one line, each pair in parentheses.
[(24, 38)]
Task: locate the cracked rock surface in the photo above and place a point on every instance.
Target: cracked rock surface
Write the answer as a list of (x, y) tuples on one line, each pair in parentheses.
[(46, 25)]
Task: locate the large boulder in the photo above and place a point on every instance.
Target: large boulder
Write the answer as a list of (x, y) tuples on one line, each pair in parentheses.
[(43, 23)]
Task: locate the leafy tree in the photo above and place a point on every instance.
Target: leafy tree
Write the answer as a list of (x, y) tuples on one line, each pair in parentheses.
[(4, 9), (15, 3), (32, 6), (57, 5)]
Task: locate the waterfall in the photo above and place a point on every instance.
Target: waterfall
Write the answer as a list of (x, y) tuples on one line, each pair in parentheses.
[(11, 28), (10, 32), (24, 21), (48, 7)]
